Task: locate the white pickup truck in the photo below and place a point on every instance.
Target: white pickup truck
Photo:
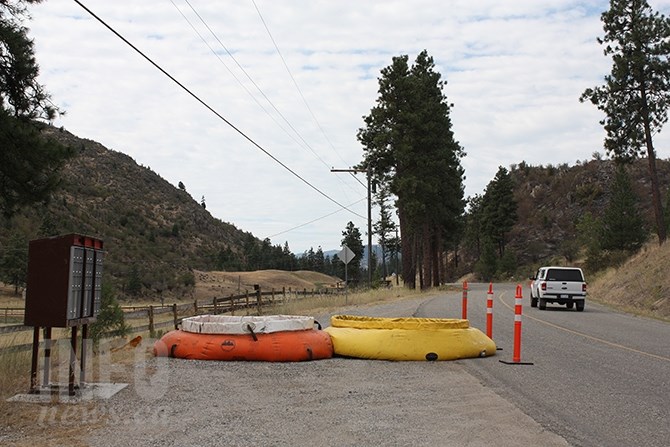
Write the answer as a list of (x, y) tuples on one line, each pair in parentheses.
[(562, 285)]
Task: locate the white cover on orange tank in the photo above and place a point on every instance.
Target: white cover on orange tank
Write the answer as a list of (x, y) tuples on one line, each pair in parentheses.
[(230, 324)]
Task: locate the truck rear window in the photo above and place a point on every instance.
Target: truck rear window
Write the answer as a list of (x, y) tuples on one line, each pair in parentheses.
[(564, 275)]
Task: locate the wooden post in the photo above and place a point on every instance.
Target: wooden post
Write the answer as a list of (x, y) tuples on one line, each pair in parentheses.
[(174, 315), (47, 356), (246, 300), (151, 320), (82, 361), (73, 361), (272, 297), (195, 307), (35, 356), (259, 303)]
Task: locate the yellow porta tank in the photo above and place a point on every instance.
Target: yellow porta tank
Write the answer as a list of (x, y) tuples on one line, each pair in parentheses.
[(407, 338)]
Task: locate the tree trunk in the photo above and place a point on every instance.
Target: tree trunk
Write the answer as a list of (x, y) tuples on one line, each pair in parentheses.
[(436, 253), (407, 250), (426, 257), (655, 190)]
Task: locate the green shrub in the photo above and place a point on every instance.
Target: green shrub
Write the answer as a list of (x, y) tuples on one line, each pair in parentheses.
[(110, 321)]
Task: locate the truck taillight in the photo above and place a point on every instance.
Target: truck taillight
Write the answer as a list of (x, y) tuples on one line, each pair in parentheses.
[(543, 286), (584, 287)]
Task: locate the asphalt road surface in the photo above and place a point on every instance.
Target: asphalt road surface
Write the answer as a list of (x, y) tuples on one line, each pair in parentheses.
[(598, 378)]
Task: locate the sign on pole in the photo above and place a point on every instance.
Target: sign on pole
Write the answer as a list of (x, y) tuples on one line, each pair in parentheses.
[(346, 254)]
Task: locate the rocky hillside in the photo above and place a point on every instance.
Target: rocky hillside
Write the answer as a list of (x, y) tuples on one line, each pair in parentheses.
[(551, 199)]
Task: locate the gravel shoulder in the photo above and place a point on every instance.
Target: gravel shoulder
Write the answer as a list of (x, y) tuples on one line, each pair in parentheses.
[(343, 402)]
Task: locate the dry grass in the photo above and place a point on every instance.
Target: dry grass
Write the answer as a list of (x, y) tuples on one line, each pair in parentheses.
[(325, 303), (221, 284), (640, 286), (14, 366), (54, 423), (8, 298)]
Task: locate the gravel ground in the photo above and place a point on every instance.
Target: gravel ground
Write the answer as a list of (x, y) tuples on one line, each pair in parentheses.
[(330, 402), (335, 402)]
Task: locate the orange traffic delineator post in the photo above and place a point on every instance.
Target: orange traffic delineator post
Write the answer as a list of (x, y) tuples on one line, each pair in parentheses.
[(464, 306), (518, 304), (489, 312)]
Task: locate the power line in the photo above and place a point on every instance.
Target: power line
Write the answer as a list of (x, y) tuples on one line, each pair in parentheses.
[(315, 220), (201, 101), (202, 20), (295, 82)]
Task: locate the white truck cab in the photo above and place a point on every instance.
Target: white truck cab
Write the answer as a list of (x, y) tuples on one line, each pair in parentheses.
[(562, 285)]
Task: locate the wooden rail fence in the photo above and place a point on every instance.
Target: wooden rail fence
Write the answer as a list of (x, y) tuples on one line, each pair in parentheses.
[(248, 302)]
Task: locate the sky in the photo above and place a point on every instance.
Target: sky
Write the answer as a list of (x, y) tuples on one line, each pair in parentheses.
[(285, 85)]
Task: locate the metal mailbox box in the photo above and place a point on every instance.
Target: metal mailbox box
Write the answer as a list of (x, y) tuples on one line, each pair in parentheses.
[(64, 281)]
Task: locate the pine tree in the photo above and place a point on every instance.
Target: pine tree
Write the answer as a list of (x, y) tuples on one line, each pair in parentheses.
[(319, 260), (623, 227), (384, 227), (110, 321), (134, 281), (488, 264), (14, 261), (351, 237), (474, 231), (636, 94), (29, 162), (409, 146), (499, 209)]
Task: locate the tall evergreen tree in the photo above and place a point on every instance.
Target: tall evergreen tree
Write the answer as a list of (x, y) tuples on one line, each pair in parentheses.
[(385, 227), (499, 209), (474, 231), (14, 261), (351, 237), (319, 260), (29, 163), (289, 261), (623, 227), (636, 94), (409, 145)]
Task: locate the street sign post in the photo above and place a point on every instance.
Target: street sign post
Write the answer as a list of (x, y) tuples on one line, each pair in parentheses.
[(346, 255)]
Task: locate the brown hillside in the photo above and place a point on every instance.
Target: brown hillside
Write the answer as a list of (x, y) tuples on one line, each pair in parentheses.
[(551, 199), (146, 223), (641, 285)]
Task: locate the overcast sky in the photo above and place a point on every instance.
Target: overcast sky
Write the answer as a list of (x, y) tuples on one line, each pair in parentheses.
[(514, 70)]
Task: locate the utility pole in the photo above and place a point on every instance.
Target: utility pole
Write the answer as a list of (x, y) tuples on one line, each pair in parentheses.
[(355, 171)]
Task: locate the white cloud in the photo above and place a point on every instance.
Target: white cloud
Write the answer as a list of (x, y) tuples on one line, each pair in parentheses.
[(514, 71)]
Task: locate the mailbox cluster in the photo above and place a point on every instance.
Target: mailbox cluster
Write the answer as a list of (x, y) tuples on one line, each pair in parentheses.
[(63, 290), (64, 281)]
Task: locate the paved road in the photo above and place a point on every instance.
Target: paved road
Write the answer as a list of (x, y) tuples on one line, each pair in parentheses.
[(599, 378)]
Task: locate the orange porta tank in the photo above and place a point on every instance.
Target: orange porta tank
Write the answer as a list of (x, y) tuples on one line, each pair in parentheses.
[(283, 346)]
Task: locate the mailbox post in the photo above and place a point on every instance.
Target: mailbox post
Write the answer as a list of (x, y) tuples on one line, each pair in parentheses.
[(63, 290)]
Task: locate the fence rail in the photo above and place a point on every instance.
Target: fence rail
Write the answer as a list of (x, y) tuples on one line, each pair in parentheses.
[(249, 301), (11, 313)]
